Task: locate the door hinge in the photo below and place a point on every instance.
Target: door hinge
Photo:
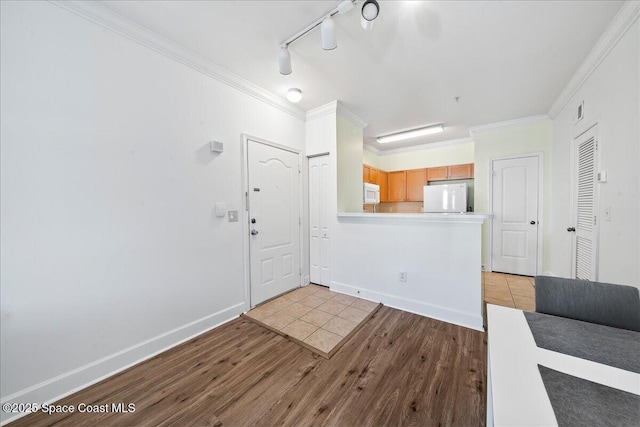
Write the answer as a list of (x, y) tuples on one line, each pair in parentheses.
[(300, 271), (299, 221), (595, 222), (299, 170)]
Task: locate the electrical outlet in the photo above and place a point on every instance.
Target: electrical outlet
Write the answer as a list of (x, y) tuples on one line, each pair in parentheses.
[(403, 276)]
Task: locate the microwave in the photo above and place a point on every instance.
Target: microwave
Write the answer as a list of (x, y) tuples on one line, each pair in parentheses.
[(371, 193)]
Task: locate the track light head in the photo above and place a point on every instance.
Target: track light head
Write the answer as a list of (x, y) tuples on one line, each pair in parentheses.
[(370, 11), (328, 33), (284, 61)]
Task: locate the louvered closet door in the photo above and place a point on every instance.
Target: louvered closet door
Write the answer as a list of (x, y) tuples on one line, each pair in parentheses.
[(585, 207)]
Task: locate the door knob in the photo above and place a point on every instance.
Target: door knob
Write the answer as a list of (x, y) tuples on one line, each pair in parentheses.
[(532, 223), (571, 229), (254, 232), (253, 220)]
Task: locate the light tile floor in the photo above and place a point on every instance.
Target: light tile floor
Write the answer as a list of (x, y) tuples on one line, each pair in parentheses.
[(509, 290), (315, 316)]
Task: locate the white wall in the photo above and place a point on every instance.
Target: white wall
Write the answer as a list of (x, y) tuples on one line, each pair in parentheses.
[(110, 249), (611, 98), (443, 155), (349, 161), (513, 140)]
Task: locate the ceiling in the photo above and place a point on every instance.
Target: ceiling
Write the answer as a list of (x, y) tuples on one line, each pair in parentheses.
[(502, 60)]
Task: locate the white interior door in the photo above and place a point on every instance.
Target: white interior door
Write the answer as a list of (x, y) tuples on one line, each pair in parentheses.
[(515, 215), (585, 206), (319, 220), (274, 220)]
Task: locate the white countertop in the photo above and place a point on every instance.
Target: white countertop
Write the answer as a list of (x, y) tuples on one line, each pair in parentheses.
[(468, 217)]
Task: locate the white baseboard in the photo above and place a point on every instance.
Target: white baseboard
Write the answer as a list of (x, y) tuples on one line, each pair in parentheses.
[(444, 314), (307, 280), (70, 382)]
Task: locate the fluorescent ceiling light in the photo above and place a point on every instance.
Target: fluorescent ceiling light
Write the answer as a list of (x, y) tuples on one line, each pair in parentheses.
[(414, 133), (294, 94)]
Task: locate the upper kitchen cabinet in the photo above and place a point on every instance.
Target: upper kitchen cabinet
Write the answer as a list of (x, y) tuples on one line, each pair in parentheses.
[(450, 172), (383, 182), (373, 176), (460, 171), (416, 180), (437, 174), (366, 173), (397, 186)]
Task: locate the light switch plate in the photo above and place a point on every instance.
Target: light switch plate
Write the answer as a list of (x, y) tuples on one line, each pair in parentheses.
[(233, 216)]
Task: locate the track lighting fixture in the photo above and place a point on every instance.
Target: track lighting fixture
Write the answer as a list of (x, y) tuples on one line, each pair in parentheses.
[(328, 33), (370, 11), (284, 61), (413, 133)]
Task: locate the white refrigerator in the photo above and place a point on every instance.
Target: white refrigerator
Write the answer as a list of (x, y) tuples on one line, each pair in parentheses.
[(445, 198)]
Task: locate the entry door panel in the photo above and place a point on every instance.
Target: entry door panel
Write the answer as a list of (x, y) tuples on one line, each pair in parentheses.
[(319, 220), (515, 210), (274, 220)]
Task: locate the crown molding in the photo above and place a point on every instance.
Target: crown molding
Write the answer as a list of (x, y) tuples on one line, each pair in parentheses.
[(507, 124), (348, 114), (624, 19), (106, 18), (420, 147), (323, 110), (374, 150)]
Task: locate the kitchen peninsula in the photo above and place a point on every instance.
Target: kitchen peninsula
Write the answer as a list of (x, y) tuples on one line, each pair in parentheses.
[(429, 263)]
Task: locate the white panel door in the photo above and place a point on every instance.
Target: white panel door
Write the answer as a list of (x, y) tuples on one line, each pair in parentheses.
[(274, 220), (515, 215), (585, 206), (319, 220)]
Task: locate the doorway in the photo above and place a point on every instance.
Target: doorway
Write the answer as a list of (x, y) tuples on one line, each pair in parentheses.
[(274, 215), (515, 203)]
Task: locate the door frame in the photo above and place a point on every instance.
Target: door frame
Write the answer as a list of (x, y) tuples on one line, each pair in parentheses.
[(540, 156), (245, 210), (594, 126)]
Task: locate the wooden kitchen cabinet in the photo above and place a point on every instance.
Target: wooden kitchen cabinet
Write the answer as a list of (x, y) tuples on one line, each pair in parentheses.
[(373, 176), (416, 180), (443, 173), (397, 186), (460, 171), (366, 173), (437, 174), (383, 182)]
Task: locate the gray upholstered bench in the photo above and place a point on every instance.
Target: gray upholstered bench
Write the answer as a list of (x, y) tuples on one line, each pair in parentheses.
[(602, 303)]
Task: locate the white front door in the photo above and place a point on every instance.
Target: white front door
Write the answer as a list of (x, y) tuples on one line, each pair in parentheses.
[(515, 215), (274, 220), (585, 206), (319, 220)]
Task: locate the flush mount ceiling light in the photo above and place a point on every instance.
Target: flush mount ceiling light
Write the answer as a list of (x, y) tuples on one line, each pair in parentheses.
[(327, 28), (413, 133), (370, 11), (294, 95)]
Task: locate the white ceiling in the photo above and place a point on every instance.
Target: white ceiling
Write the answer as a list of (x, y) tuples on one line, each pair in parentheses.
[(503, 59)]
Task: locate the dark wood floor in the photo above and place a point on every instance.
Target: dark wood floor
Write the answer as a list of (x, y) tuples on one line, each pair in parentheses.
[(399, 369)]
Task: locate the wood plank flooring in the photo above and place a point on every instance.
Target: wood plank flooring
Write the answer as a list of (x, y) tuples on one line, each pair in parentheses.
[(399, 369)]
